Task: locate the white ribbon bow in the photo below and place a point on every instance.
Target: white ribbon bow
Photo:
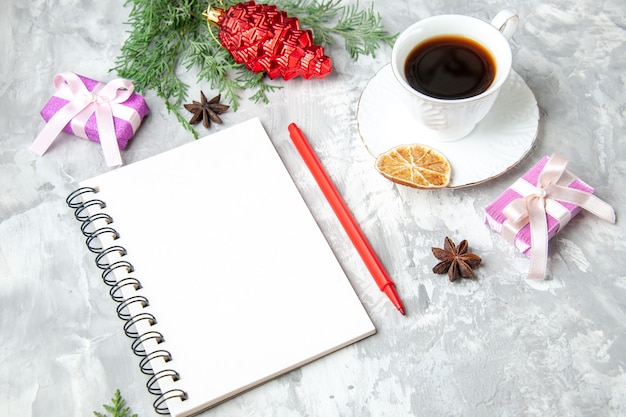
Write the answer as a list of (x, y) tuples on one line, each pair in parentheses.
[(532, 209), (82, 104)]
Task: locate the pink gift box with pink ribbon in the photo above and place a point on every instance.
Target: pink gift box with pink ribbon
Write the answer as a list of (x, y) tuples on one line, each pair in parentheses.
[(558, 213), (127, 116)]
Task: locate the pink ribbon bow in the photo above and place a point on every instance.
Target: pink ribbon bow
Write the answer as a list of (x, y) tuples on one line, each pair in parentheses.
[(551, 187), (82, 104)]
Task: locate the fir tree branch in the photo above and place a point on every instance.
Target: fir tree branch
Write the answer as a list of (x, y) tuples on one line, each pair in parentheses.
[(262, 87), (169, 35), (361, 30), (116, 408)]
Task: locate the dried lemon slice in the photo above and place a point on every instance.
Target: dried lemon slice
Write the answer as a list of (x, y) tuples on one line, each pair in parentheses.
[(414, 165)]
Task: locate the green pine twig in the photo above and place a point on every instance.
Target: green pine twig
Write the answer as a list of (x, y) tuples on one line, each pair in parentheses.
[(361, 30), (116, 408), (169, 36)]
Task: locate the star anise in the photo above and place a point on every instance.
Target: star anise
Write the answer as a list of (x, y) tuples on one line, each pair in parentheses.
[(206, 110), (455, 260)]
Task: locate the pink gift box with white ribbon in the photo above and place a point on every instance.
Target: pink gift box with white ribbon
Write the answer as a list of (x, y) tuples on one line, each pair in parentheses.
[(538, 205), (106, 113), (558, 213)]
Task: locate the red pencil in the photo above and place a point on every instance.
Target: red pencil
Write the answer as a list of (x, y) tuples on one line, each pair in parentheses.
[(359, 240)]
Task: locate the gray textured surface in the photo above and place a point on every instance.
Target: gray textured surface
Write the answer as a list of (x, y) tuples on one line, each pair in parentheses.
[(497, 345)]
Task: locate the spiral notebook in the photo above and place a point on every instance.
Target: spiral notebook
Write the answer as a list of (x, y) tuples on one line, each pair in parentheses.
[(220, 273)]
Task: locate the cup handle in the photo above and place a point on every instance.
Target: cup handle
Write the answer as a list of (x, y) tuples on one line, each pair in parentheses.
[(506, 22)]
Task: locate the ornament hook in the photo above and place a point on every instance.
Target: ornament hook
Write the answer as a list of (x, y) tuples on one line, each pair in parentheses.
[(212, 16)]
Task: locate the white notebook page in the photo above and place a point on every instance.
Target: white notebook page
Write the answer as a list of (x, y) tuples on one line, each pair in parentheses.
[(240, 278)]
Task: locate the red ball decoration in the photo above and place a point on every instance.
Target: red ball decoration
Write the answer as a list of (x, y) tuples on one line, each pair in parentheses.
[(265, 39)]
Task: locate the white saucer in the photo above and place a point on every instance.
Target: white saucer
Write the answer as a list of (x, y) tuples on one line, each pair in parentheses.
[(496, 145)]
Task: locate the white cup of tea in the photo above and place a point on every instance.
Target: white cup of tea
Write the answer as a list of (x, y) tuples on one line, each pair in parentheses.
[(452, 68)]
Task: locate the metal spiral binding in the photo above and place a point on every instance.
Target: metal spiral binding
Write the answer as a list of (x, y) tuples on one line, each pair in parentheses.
[(101, 259), (110, 269), (137, 345), (166, 373), (130, 327), (145, 365), (88, 223), (122, 306), (116, 289), (84, 201), (160, 405), (94, 238)]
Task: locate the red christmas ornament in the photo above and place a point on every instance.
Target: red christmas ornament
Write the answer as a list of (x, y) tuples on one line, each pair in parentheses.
[(265, 39)]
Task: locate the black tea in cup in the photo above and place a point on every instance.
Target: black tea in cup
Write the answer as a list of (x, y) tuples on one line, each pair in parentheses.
[(450, 67)]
